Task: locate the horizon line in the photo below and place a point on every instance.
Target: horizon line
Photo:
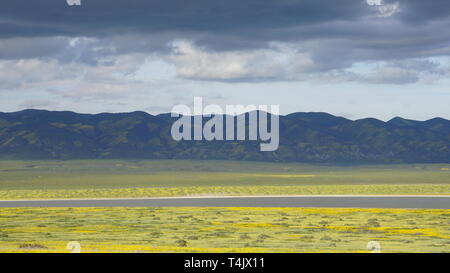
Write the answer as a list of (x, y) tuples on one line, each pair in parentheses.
[(166, 113)]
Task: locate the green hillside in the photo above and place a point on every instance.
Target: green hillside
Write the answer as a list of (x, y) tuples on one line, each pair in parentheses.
[(304, 137)]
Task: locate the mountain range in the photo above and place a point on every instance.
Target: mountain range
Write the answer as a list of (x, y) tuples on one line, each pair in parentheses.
[(304, 137)]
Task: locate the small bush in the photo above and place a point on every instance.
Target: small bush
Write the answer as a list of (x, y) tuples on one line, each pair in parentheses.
[(181, 243), (326, 238), (32, 246), (373, 222)]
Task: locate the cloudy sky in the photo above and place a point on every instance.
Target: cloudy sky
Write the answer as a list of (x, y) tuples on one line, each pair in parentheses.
[(353, 58)]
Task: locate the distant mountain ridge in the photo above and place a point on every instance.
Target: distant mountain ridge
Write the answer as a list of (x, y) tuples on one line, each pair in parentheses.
[(304, 137)]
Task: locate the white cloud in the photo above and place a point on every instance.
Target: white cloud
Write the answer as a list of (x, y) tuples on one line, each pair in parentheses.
[(374, 2), (112, 77), (121, 76), (393, 75), (19, 74), (388, 10), (194, 63), (384, 10), (406, 72), (279, 61), (282, 62)]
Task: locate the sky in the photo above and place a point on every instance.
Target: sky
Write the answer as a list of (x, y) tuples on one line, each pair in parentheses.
[(351, 58)]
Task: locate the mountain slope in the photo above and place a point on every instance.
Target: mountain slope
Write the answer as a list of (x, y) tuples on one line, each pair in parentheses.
[(304, 137)]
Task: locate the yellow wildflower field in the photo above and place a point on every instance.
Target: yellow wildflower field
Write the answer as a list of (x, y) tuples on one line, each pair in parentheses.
[(376, 189), (223, 229)]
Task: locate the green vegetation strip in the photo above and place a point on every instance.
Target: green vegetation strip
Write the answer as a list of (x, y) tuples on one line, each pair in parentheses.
[(229, 191), (165, 178)]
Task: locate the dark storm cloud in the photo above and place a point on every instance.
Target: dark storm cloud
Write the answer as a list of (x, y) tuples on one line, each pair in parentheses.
[(122, 27), (216, 24), (17, 48), (335, 34), (422, 11), (106, 17)]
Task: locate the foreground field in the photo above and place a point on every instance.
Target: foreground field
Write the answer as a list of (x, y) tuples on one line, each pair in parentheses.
[(119, 178), (223, 229)]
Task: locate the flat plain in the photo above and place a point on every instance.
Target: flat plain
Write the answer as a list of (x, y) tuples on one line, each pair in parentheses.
[(223, 229), (201, 229), (134, 178)]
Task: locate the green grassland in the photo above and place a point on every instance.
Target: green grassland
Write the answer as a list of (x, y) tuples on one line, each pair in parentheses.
[(121, 178), (223, 229), (218, 229)]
